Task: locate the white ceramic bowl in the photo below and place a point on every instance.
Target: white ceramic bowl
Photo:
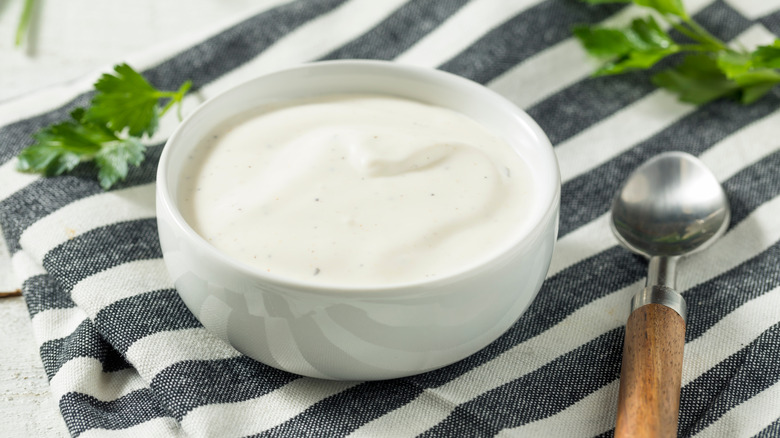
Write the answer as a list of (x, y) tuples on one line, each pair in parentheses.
[(368, 333)]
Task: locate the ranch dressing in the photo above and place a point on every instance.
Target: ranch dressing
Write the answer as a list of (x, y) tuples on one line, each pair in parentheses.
[(356, 190)]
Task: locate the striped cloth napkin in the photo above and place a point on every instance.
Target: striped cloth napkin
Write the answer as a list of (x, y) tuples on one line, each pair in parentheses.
[(125, 357)]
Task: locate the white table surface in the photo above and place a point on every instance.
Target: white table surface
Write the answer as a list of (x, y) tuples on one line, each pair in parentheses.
[(67, 40)]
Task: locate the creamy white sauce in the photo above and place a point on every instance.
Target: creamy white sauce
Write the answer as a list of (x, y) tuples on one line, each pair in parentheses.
[(356, 190)]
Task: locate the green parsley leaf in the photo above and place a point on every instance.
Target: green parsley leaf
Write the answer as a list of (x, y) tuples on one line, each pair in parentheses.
[(124, 108), (767, 56), (711, 70), (698, 80), (756, 83), (24, 21), (648, 35), (674, 7), (602, 42), (639, 46), (114, 157), (734, 63), (125, 100), (59, 148)]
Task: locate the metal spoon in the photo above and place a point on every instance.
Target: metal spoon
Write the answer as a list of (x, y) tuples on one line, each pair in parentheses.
[(671, 206)]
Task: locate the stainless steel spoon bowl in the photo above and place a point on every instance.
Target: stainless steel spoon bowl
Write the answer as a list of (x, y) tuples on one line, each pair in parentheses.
[(671, 206)]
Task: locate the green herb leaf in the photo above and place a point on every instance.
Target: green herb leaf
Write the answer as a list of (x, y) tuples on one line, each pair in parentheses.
[(59, 148), (125, 100), (24, 22), (756, 83), (734, 63), (114, 158), (674, 7), (711, 70), (124, 108), (767, 56), (639, 46), (698, 79), (752, 72), (648, 35), (602, 42)]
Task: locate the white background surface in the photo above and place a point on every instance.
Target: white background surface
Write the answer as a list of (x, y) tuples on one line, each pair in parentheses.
[(66, 41)]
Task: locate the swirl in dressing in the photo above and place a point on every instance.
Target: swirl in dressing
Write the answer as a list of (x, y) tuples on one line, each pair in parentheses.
[(356, 190)]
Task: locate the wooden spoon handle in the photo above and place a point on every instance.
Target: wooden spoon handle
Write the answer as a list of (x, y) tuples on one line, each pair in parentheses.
[(649, 398)]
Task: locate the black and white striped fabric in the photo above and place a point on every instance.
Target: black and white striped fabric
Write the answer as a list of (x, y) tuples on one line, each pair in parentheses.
[(125, 357)]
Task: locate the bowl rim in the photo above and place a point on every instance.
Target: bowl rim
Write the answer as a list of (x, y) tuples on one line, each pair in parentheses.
[(165, 199)]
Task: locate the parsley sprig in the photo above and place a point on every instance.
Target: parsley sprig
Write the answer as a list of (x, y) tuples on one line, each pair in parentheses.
[(709, 70), (124, 109), (24, 22)]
